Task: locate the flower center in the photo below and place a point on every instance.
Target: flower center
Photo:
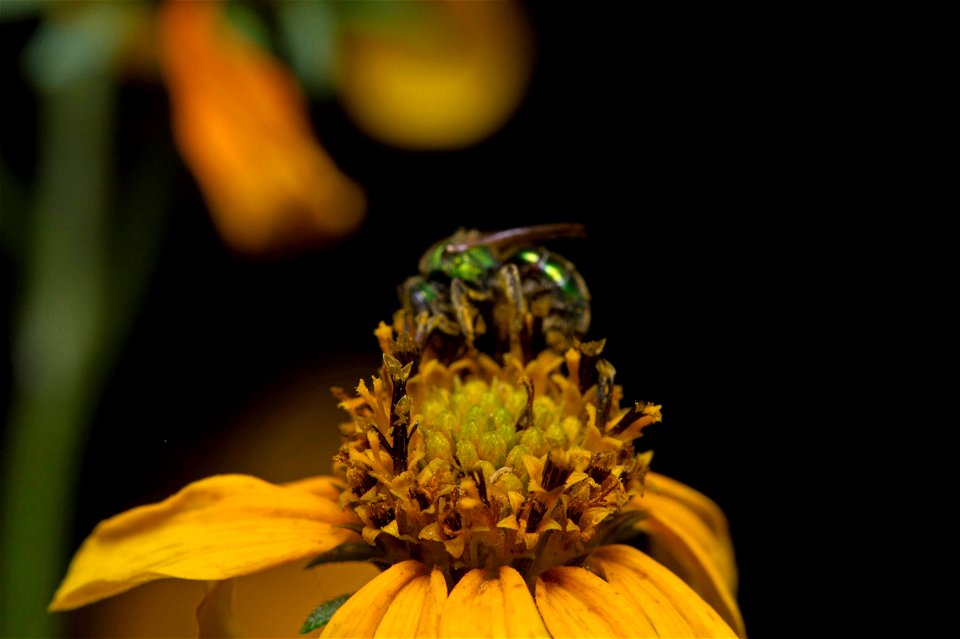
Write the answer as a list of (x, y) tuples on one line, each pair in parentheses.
[(476, 464)]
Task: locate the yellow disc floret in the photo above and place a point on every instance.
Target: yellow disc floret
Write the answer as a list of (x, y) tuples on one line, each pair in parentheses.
[(476, 464)]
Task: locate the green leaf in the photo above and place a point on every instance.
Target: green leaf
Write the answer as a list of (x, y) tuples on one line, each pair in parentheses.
[(322, 614), (345, 552)]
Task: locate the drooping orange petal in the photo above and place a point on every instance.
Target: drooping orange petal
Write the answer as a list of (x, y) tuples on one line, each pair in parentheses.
[(665, 512), (415, 611), (641, 578), (447, 76), (695, 565), (576, 603), (697, 502), (216, 528), (362, 613), (688, 534), (241, 124), (481, 606), (712, 530)]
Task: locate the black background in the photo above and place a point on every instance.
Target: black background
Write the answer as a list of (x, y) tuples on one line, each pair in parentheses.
[(682, 142)]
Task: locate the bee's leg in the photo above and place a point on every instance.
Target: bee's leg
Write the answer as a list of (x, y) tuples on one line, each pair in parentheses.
[(423, 309), (425, 324), (474, 296), (557, 330), (414, 294), (515, 310), (463, 310)]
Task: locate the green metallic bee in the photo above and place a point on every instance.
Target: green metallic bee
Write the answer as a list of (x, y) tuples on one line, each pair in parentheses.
[(499, 287)]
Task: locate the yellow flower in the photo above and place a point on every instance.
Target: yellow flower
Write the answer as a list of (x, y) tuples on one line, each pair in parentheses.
[(498, 497), (447, 76), (241, 124)]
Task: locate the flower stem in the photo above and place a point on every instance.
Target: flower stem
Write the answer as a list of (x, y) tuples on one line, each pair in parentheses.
[(58, 348)]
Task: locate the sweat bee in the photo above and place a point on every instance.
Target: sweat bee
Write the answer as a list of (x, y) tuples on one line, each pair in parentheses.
[(500, 287)]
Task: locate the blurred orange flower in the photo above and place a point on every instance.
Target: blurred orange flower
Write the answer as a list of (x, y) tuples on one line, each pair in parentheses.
[(241, 124)]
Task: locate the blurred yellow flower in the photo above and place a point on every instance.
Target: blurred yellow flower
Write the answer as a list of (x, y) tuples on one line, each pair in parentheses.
[(241, 124), (446, 77)]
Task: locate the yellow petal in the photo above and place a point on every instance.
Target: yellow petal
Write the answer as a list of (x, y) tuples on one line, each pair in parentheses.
[(436, 599), (446, 77), (649, 578), (576, 603), (481, 606), (220, 527), (688, 534), (644, 596), (415, 611), (241, 124), (362, 613), (403, 614)]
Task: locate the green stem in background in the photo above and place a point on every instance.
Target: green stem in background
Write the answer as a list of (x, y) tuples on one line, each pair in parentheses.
[(57, 348), (84, 275)]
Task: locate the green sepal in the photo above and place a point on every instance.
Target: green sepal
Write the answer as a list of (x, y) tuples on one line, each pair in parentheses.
[(322, 614), (345, 552), (622, 527), (357, 528)]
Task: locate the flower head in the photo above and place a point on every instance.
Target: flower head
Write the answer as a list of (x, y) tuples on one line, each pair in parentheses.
[(503, 464), (502, 494)]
